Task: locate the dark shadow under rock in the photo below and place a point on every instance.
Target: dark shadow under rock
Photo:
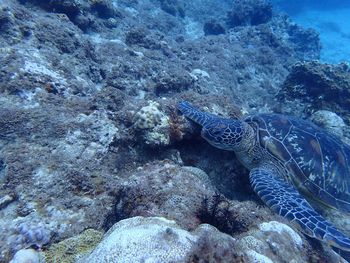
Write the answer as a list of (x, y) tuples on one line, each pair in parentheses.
[(213, 27)]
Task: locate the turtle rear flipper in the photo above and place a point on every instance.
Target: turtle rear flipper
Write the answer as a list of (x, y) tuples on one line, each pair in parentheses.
[(285, 200)]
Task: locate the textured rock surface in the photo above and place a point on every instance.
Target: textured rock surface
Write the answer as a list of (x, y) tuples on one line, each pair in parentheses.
[(153, 125), (277, 242), (318, 86), (313, 89), (162, 189), (143, 239), (249, 12), (156, 239), (274, 242), (26, 256), (74, 248), (74, 78), (330, 121), (184, 194)]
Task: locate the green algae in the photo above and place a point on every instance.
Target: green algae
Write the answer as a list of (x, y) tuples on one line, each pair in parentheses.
[(71, 249)]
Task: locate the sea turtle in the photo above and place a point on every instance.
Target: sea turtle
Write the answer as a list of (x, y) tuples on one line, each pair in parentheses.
[(289, 159)]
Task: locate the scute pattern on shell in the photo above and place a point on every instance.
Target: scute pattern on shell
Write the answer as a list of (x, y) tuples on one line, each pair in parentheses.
[(317, 161)]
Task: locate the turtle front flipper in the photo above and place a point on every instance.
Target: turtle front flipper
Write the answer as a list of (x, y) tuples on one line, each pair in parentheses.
[(194, 114), (285, 200)]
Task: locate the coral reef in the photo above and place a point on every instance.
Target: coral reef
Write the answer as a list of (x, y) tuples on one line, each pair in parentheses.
[(213, 27), (275, 237), (149, 116), (139, 239), (277, 242), (318, 86), (229, 216), (174, 82), (27, 234), (71, 249), (26, 256), (173, 7), (153, 125), (104, 9), (330, 121), (157, 239), (23, 233), (249, 12), (163, 189), (89, 134), (85, 14), (6, 200)]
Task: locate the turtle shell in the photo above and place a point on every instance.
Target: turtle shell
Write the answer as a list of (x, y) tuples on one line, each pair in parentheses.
[(316, 161)]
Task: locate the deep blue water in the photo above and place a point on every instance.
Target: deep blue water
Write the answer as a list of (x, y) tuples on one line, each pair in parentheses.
[(331, 18)]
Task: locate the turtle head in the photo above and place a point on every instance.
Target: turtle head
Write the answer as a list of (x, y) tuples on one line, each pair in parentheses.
[(227, 134)]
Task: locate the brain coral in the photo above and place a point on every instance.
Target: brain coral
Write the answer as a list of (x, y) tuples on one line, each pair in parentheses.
[(157, 239), (153, 125)]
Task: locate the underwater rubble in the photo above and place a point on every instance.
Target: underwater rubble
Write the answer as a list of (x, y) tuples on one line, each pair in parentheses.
[(92, 148)]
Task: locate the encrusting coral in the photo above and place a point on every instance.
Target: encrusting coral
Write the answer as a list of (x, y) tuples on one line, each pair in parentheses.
[(153, 125)]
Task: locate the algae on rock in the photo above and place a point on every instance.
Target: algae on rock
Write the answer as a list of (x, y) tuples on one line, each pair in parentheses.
[(71, 249)]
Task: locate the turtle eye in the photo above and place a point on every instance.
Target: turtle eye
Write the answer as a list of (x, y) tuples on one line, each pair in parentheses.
[(216, 132)]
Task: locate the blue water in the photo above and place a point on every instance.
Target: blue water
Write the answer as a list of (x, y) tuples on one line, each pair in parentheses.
[(331, 18)]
